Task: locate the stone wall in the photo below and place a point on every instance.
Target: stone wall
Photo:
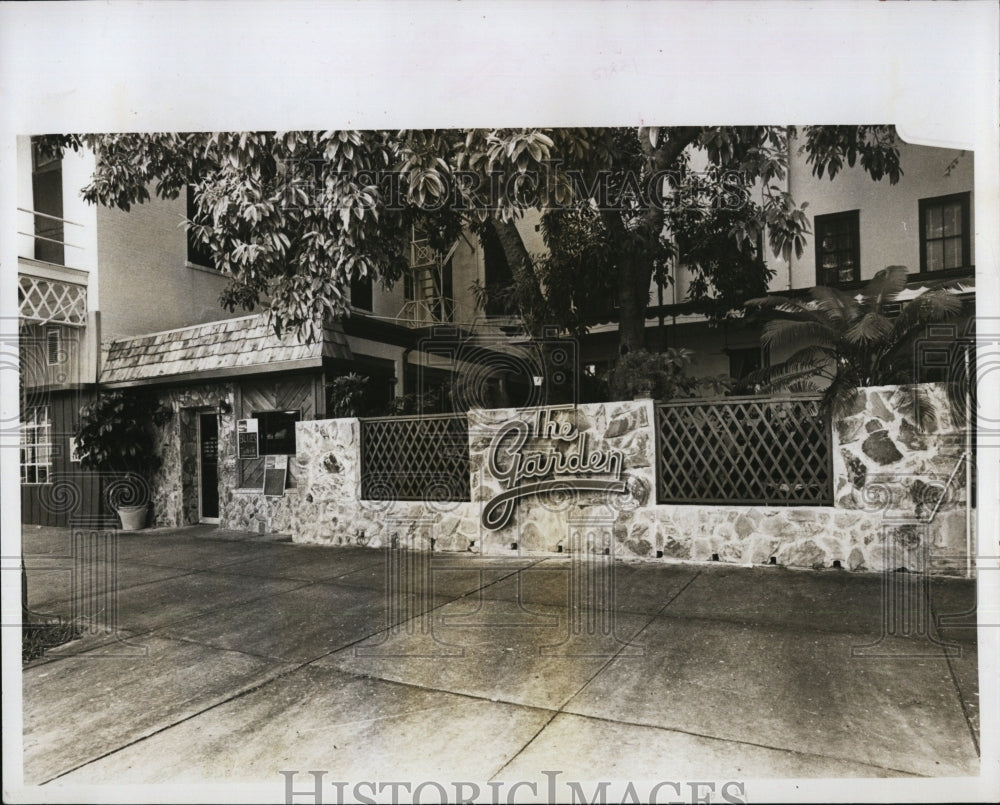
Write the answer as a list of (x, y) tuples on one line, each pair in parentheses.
[(329, 509), (895, 454), (890, 469), (174, 487)]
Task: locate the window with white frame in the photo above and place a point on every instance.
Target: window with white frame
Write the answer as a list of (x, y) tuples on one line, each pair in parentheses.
[(36, 445)]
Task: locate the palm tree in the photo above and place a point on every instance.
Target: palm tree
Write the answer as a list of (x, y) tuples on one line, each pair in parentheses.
[(849, 340)]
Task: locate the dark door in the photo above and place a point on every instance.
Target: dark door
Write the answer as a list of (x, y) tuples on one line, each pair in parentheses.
[(208, 462)]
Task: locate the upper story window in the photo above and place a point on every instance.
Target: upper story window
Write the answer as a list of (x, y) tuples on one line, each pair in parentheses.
[(36, 445), (838, 248), (945, 240), (47, 203), (361, 293), (197, 253)]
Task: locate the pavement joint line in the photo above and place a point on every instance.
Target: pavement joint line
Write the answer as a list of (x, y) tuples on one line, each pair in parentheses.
[(141, 738), (598, 672), (139, 631), (777, 626), (650, 619), (298, 666), (293, 578), (740, 742), (420, 615), (964, 706)]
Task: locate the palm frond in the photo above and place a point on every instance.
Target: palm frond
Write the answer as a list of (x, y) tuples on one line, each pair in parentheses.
[(870, 328), (841, 396), (781, 377), (779, 333), (916, 403), (884, 285), (834, 303), (932, 306)]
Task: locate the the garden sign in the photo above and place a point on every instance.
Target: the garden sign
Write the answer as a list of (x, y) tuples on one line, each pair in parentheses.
[(549, 469)]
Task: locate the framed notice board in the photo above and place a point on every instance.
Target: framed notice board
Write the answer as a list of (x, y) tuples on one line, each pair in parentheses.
[(275, 475), (247, 444)]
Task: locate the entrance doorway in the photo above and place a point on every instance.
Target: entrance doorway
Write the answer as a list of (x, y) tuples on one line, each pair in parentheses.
[(208, 468)]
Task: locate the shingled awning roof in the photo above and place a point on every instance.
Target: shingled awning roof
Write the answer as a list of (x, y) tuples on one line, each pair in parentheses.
[(217, 349)]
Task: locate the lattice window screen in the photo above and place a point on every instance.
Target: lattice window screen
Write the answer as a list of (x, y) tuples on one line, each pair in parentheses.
[(415, 458), (753, 451)]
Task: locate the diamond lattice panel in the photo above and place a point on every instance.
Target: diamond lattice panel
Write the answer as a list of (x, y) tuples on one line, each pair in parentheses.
[(415, 458), (423, 254), (773, 452), (50, 301)]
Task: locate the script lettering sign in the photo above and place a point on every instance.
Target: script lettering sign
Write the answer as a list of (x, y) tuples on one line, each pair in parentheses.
[(523, 473)]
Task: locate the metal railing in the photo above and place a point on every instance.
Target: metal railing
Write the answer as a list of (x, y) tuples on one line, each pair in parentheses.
[(48, 234), (415, 458), (745, 450)]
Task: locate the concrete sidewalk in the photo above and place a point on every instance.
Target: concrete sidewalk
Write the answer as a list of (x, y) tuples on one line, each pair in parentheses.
[(237, 658)]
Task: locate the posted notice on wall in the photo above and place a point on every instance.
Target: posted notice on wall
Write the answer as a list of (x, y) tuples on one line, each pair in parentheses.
[(247, 445), (275, 475)]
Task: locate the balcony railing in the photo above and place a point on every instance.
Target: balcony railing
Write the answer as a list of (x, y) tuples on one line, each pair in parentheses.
[(46, 300), (48, 235)]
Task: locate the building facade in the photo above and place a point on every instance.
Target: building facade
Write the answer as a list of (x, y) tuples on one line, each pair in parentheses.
[(859, 226), (115, 300)]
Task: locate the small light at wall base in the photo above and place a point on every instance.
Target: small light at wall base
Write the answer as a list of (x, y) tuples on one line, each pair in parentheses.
[(513, 546)]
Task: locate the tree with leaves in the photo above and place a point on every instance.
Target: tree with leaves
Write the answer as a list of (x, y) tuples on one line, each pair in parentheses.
[(845, 340), (292, 217)]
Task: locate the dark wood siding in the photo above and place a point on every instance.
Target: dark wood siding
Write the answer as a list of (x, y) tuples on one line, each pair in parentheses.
[(293, 393), (71, 491)]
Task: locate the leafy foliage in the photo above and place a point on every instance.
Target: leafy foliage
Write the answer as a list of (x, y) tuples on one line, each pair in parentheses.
[(851, 340), (345, 396), (292, 217), (661, 375), (828, 147), (117, 432)]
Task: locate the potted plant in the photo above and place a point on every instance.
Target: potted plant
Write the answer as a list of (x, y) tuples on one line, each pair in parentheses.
[(117, 435), (641, 374)]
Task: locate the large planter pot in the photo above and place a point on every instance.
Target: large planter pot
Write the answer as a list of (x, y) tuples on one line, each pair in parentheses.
[(133, 517)]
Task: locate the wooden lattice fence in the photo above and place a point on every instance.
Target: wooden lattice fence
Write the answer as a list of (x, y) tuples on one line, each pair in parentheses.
[(415, 458), (750, 450)]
